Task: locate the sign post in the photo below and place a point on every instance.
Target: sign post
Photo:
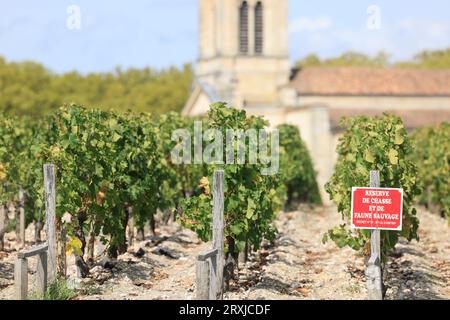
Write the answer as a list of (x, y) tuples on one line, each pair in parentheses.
[(376, 209)]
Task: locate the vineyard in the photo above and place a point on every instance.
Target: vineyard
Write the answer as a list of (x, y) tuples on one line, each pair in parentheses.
[(130, 221)]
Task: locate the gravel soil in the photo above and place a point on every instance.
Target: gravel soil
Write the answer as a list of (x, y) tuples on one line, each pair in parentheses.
[(297, 265)]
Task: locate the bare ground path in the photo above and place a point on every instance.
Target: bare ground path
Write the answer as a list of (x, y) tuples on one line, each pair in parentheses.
[(298, 266)]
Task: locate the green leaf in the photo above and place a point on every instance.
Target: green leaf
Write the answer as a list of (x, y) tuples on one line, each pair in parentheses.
[(393, 156), (116, 137), (236, 229), (399, 139), (250, 209), (368, 156)]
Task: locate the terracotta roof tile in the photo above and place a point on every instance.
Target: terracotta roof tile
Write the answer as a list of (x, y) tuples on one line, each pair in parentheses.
[(372, 81)]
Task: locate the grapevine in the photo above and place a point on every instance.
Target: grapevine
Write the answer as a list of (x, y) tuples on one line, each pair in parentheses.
[(382, 144)]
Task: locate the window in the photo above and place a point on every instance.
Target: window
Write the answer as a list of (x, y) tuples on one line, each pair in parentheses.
[(259, 28), (243, 28)]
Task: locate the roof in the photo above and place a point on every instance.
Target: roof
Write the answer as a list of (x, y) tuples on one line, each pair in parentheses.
[(412, 119), (372, 81)]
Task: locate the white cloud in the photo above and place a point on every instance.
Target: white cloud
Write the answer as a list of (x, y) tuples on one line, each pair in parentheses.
[(309, 24), (432, 29), (401, 39)]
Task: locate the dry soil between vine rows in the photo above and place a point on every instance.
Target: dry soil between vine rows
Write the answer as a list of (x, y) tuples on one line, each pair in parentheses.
[(296, 266)]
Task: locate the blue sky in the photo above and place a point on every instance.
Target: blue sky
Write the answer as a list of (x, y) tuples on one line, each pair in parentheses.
[(160, 33)]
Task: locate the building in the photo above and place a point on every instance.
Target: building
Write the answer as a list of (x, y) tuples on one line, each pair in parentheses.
[(244, 60)]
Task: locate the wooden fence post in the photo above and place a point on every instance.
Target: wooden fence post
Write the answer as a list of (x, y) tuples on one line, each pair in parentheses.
[(243, 256), (3, 225), (206, 279), (62, 257), (202, 282), (217, 265), (50, 209), (38, 226), (41, 274), (130, 226), (21, 217), (21, 270), (21, 278), (101, 249), (374, 272)]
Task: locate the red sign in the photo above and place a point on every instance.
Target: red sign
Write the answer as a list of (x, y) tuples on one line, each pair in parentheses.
[(377, 208)]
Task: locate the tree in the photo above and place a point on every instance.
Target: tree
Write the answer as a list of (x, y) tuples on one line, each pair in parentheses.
[(439, 59), (347, 59), (27, 88)]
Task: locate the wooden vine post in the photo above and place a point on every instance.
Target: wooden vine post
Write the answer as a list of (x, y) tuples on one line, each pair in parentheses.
[(130, 225), (50, 216), (3, 224), (21, 271), (374, 272), (46, 253), (209, 273), (218, 241), (21, 237)]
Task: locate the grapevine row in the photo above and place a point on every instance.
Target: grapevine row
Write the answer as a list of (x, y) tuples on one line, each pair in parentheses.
[(111, 167)]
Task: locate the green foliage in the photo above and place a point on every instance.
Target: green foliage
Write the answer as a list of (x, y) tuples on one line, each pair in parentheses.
[(18, 161), (251, 199), (347, 59), (105, 162), (432, 154), (382, 144), (28, 88), (183, 180), (12, 142), (437, 59), (296, 167), (59, 290)]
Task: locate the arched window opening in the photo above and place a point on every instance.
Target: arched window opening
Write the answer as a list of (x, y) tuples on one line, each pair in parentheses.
[(259, 28), (243, 28)]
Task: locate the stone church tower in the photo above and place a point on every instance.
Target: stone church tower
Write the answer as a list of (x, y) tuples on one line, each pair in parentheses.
[(243, 56)]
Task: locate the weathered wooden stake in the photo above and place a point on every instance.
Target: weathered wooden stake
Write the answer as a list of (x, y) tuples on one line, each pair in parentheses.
[(62, 261), (217, 265), (205, 279), (50, 210), (38, 226), (373, 272), (202, 274), (91, 245), (243, 256), (77, 283), (41, 274), (21, 217), (130, 226), (2, 226), (21, 271), (21, 278), (101, 248)]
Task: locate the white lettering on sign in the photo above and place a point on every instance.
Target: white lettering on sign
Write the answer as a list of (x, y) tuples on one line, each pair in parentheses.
[(377, 193)]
